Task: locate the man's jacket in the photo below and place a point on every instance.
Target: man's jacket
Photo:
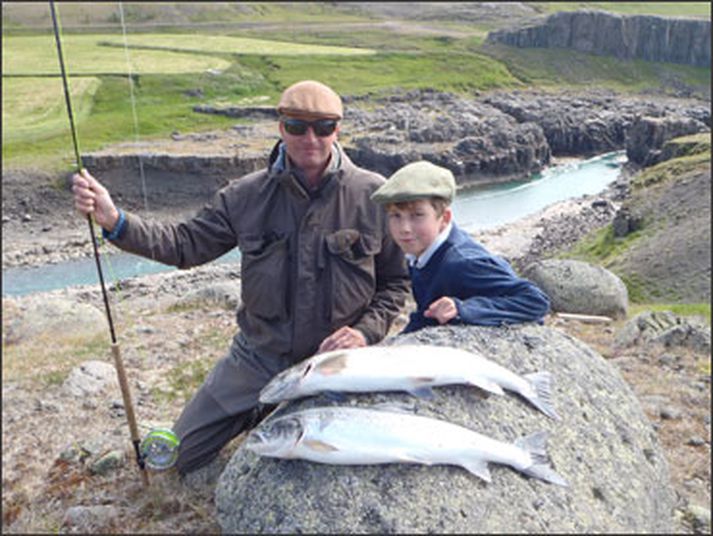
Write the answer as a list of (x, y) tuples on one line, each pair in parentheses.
[(311, 262)]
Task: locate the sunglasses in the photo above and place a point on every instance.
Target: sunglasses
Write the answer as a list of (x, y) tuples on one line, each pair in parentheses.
[(321, 127)]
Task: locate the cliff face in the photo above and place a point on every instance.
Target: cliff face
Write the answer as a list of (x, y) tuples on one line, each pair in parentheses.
[(650, 38)]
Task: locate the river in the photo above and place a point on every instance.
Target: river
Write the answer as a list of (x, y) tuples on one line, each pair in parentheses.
[(474, 209)]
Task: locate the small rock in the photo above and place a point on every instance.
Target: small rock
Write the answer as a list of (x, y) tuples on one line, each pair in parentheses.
[(700, 518), (670, 413), (26, 217), (46, 228), (696, 441), (111, 460), (89, 519), (74, 453), (5, 219)]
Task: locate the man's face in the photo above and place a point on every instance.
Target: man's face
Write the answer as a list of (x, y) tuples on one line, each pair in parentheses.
[(415, 225), (308, 151)]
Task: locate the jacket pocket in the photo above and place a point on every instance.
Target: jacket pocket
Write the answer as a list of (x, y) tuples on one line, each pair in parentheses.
[(351, 272), (264, 287)]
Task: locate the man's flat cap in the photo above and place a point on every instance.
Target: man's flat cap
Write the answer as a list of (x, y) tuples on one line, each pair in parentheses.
[(418, 180), (312, 99)]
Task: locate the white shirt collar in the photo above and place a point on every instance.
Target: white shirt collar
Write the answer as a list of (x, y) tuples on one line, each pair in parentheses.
[(422, 260)]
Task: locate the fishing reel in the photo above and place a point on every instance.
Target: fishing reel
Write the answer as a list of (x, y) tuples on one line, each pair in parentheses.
[(159, 449)]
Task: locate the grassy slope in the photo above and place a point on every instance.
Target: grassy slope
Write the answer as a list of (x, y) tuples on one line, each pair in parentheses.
[(669, 228)]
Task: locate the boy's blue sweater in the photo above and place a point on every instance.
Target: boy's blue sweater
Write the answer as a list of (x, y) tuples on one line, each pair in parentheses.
[(484, 287)]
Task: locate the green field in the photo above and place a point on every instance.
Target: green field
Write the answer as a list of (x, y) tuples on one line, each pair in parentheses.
[(34, 108)]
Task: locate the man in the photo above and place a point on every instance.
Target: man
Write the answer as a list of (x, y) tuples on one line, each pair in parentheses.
[(318, 272)]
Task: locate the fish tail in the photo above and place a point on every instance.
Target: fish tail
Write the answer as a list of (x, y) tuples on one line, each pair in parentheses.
[(541, 383), (536, 445)]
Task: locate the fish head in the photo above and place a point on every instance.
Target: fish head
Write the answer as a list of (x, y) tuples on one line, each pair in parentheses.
[(285, 385), (275, 437)]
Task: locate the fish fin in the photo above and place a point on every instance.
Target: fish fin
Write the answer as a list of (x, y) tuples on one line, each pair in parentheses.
[(395, 407), (479, 468), (334, 396), (333, 364), (542, 385), (486, 385), (536, 445), (424, 392), (319, 446)]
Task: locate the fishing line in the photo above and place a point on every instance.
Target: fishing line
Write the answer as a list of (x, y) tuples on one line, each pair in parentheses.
[(128, 405), (159, 448), (133, 107)]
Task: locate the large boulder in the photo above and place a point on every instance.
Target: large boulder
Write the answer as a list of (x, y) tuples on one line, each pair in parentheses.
[(30, 317), (604, 447), (580, 287)]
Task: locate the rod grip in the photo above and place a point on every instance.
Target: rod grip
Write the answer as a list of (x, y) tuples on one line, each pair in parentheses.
[(128, 407)]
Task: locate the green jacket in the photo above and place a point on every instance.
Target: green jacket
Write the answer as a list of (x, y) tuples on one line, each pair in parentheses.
[(312, 262)]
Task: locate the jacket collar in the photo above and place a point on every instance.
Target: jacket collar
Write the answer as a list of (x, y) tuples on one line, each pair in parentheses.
[(422, 260), (281, 168)]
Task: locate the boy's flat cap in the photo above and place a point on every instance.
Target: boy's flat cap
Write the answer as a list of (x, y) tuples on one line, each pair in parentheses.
[(418, 180), (312, 99)]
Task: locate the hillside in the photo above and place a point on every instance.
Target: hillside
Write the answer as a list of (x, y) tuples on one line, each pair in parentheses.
[(661, 242)]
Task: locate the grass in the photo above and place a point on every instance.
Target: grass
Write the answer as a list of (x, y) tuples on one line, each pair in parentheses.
[(601, 246), (702, 310), (48, 358), (560, 67), (670, 169), (664, 9), (35, 109), (361, 75), (85, 55), (226, 44)]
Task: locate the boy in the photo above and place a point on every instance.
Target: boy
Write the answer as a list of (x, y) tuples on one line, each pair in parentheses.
[(454, 279)]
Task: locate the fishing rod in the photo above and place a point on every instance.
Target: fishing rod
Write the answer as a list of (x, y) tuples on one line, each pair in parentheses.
[(115, 350)]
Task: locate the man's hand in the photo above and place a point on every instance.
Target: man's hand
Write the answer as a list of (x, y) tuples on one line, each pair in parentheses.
[(443, 310), (90, 197), (344, 337)]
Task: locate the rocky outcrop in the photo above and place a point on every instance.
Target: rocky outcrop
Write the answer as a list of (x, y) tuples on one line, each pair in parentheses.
[(651, 38), (604, 447), (647, 136), (472, 139), (665, 328), (597, 122), (495, 138), (580, 287)]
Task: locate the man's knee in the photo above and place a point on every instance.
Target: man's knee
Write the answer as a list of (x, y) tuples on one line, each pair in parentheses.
[(200, 446)]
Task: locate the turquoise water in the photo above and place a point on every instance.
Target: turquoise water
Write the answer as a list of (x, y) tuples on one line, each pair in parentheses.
[(473, 209)]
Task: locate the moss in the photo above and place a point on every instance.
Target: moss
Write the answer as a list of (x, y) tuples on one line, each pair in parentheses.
[(671, 169)]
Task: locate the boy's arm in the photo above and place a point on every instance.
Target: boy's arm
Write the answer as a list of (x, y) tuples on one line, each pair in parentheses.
[(492, 295)]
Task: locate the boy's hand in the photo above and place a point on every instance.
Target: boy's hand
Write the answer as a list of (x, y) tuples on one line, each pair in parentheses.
[(344, 337), (443, 310)]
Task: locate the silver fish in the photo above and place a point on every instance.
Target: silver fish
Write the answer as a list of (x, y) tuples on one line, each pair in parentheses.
[(358, 436), (411, 368)]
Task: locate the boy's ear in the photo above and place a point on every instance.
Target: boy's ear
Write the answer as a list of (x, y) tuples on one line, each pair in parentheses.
[(447, 215)]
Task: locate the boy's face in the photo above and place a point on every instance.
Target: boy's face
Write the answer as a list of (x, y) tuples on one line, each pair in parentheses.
[(415, 225)]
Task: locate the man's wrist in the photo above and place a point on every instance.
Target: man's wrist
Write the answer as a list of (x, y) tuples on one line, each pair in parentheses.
[(115, 233)]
